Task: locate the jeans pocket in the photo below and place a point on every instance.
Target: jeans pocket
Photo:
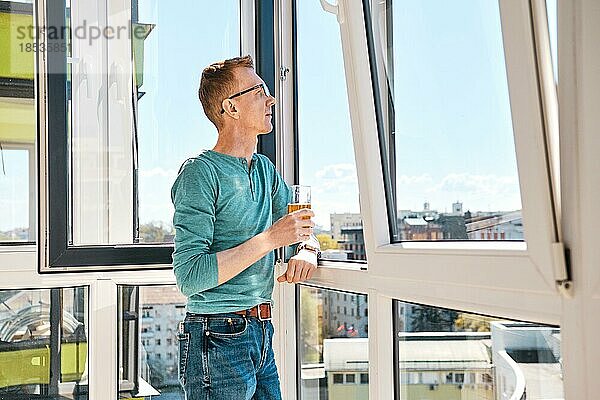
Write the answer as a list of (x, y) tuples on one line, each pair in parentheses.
[(184, 352), (223, 327)]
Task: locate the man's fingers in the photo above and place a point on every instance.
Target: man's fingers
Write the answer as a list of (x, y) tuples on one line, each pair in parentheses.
[(311, 271), (305, 272), (297, 273), (304, 212), (291, 269)]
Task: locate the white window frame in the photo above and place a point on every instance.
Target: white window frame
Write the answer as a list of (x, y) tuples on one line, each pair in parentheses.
[(507, 267), (511, 280), (19, 264), (579, 98)]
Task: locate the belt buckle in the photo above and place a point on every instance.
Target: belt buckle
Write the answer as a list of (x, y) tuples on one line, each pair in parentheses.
[(270, 311)]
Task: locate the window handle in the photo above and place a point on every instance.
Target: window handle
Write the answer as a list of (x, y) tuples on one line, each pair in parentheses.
[(334, 9)]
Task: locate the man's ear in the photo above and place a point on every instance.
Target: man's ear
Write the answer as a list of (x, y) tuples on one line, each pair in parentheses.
[(230, 109)]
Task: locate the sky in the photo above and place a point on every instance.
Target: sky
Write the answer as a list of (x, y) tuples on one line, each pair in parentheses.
[(453, 124)]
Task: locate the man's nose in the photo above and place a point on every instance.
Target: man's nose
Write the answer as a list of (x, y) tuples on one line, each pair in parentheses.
[(271, 101)]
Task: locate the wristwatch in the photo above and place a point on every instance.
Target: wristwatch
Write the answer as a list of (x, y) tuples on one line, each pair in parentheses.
[(312, 249)]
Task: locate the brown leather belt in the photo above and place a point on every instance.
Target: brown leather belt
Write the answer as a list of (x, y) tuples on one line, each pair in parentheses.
[(261, 311)]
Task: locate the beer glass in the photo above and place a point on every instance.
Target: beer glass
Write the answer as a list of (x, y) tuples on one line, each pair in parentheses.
[(300, 198)]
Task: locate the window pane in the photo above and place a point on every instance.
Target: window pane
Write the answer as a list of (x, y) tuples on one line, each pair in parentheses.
[(40, 352), (18, 186), (171, 125), (148, 345), (333, 345), (125, 159), (449, 112), (324, 125), (448, 354)]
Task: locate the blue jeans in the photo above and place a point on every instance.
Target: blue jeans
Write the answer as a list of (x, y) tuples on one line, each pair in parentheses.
[(227, 357)]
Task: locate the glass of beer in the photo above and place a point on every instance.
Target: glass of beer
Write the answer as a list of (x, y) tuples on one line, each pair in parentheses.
[(300, 198)]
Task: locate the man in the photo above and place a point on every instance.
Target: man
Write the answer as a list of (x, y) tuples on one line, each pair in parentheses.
[(230, 214)]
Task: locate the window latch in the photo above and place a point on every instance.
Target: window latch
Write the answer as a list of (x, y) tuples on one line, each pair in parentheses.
[(562, 267), (283, 71)]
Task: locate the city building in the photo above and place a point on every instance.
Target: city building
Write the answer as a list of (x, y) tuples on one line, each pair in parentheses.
[(446, 365), (512, 361), (339, 221), (345, 314), (162, 308), (353, 242), (495, 226), (415, 228)]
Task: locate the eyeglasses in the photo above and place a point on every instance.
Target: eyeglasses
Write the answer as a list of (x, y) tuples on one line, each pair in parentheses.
[(263, 86)]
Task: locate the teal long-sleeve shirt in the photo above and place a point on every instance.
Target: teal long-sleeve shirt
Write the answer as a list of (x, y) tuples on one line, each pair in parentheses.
[(221, 202)]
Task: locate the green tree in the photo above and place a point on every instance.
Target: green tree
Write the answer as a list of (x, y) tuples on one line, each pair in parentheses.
[(472, 323), (431, 319), (327, 242), (310, 338), (155, 232)]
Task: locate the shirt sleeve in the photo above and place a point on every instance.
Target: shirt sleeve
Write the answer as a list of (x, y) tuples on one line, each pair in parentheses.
[(194, 198)]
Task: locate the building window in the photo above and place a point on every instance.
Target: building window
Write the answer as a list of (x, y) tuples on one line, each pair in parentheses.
[(350, 378), (459, 377), (364, 379), (338, 378)]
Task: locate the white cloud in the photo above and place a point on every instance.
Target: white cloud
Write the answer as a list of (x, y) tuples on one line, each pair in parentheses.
[(339, 172), (477, 192), (478, 185), (412, 180)]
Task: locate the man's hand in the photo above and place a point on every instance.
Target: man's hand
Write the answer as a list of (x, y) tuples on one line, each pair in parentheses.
[(292, 228), (300, 268)]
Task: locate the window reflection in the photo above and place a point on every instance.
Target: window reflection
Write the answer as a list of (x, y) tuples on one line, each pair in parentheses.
[(17, 125), (43, 343), (333, 345), (148, 350), (448, 354)]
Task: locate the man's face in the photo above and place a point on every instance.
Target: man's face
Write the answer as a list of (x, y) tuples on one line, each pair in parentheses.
[(255, 108)]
